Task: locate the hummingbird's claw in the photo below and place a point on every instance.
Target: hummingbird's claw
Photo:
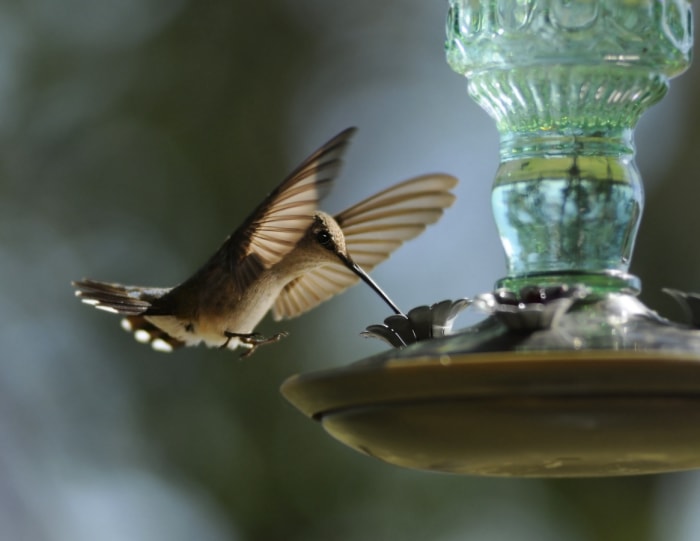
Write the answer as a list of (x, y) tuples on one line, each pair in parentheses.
[(253, 340)]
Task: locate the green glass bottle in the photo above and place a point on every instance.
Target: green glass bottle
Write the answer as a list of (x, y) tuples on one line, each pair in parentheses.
[(566, 82)]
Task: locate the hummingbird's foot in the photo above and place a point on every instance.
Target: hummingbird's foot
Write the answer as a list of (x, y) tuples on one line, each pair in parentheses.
[(252, 340)]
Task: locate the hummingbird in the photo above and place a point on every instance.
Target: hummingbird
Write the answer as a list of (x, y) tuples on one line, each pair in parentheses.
[(287, 256)]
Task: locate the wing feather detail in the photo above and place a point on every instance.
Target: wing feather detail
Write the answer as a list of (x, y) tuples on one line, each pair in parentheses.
[(280, 221), (307, 292), (373, 229)]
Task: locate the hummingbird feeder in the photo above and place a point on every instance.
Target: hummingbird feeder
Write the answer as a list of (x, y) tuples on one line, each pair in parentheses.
[(569, 374)]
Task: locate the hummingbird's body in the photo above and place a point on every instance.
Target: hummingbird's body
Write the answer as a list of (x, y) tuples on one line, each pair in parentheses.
[(287, 256), (208, 304)]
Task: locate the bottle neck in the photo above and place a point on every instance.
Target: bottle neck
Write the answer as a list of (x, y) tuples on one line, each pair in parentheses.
[(567, 197)]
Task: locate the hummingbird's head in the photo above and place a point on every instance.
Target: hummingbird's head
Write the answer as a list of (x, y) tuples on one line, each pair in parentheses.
[(327, 234)]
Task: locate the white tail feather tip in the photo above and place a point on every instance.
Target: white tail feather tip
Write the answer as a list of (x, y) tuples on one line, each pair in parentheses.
[(142, 336), (106, 308), (161, 345)]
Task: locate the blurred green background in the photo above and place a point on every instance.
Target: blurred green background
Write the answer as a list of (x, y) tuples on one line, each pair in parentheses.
[(134, 137)]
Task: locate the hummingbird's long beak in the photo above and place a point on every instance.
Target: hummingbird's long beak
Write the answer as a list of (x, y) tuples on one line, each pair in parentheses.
[(354, 267)]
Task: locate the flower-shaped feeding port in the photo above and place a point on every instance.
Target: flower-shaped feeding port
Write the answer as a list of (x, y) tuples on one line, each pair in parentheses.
[(421, 323), (570, 374)]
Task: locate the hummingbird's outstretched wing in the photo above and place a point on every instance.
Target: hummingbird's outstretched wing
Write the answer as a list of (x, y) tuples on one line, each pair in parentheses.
[(280, 221), (373, 229)]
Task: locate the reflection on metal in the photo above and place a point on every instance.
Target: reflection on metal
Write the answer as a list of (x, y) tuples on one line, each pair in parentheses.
[(533, 307), (690, 302), (421, 323)]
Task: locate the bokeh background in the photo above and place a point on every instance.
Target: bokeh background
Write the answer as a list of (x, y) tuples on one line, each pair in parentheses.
[(134, 136)]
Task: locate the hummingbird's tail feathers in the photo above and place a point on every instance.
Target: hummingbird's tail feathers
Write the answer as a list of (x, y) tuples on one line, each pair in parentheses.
[(117, 298), (132, 302), (372, 229), (147, 333)]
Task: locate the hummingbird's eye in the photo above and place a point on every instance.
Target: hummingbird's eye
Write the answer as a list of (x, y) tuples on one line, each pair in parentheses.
[(324, 239)]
